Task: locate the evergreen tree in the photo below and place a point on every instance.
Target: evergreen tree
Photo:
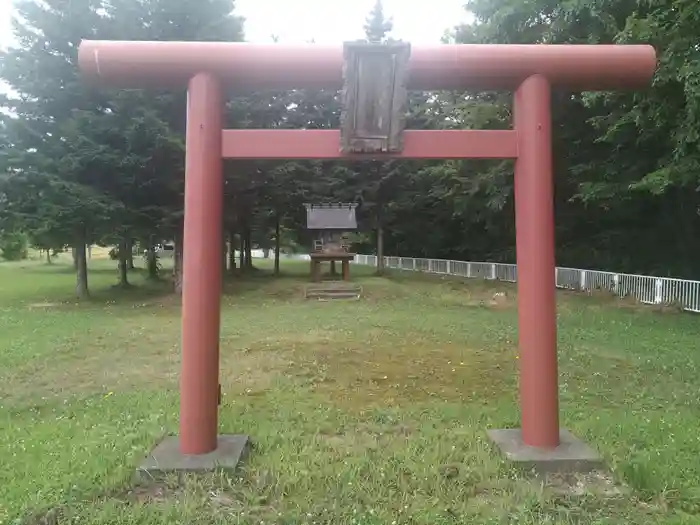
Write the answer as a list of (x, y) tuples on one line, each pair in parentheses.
[(50, 190), (377, 27), (113, 162)]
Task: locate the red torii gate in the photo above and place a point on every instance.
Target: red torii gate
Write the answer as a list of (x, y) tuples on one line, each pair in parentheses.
[(528, 70)]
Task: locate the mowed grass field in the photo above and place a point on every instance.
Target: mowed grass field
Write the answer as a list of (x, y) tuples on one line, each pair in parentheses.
[(360, 412)]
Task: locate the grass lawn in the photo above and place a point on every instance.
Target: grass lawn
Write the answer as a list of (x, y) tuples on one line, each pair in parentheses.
[(362, 412)]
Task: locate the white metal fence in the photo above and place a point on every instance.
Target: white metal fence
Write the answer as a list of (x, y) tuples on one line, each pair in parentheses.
[(650, 290)]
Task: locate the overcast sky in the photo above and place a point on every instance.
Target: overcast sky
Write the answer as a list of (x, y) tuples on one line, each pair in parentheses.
[(323, 21), (326, 21)]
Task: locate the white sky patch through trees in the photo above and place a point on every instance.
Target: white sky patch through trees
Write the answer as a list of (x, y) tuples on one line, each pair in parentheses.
[(323, 21)]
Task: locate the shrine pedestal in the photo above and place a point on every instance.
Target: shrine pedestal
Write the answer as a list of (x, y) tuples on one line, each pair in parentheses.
[(318, 258)]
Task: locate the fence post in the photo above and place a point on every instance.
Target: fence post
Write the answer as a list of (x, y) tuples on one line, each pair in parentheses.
[(493, 271), (449, 267), (582, 283), (414, 265), (469, 270), (658, 292), (616, 284)]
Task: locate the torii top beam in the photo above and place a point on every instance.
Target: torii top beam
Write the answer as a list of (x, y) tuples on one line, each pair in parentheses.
[(239, 65)]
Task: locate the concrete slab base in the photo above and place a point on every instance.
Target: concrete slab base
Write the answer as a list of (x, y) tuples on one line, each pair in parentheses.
[(166, 459), (572, 454)]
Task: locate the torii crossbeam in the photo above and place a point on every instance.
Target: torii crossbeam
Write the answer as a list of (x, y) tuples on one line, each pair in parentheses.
[(205, 68)]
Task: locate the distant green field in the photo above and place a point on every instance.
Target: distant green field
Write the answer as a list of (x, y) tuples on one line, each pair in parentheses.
[(361, 412)]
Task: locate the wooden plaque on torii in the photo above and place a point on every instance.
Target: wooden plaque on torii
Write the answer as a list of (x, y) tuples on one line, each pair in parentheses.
[(375, 98)]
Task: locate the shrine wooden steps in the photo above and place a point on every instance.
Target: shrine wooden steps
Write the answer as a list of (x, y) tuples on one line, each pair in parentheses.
[(333, 291)]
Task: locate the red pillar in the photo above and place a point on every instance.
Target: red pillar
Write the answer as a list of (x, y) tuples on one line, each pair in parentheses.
[(534, 221), (199, 375)]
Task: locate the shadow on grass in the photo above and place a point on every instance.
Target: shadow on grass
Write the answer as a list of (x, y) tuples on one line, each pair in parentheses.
[(145, 290), (63, 269), (262, 277), (255, 280), (238, 286)]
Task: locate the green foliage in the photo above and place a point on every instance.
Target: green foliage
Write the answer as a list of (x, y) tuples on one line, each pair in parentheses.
[(14, 246), (627, 194)]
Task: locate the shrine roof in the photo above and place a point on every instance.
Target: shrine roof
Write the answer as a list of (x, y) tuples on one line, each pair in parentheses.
[(336, 216)]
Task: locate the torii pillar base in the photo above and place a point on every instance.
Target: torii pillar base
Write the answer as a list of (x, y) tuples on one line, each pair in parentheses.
[(166, 459), (571, 455)]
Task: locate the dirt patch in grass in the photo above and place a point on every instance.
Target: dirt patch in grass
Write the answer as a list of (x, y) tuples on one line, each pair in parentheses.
[(52, 516), (487, 294), (251, 372), (502, 301), (152, 363), (373, 368), (166, 300), (573, 484), (351, 443), (154, 492), (45, 304), (95, 374), (359, 376)]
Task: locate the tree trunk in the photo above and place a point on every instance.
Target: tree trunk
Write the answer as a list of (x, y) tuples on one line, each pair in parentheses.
[(277, 245), (177, 264), (224, 255), (380, 249), (152, 260), (130, 254), (248, 249), (80, 260), (232, 252), (48, 257), (241, 252), (89, 252), (124, 263)]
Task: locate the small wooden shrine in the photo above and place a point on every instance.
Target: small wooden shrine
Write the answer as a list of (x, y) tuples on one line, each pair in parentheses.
[(329, 225)]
